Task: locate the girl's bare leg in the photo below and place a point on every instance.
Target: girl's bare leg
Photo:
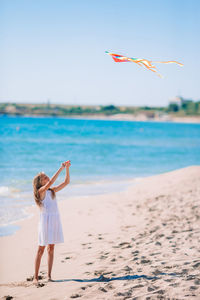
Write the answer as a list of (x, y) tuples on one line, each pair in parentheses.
[(39, 254), (50, 249)]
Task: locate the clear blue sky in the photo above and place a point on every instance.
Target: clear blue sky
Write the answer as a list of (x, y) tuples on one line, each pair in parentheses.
[(56, 50)]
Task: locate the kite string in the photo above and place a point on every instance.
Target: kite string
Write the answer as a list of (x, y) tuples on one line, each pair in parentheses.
[(81, 131)]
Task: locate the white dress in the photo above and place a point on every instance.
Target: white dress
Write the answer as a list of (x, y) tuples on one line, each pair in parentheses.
[(49, 227)]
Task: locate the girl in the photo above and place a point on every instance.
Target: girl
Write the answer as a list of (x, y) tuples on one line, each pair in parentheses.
[(49, 227)]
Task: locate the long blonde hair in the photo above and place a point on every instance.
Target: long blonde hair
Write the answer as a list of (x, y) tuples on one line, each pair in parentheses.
[(36, 186)]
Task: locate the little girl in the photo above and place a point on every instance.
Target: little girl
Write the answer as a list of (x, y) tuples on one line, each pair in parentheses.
[(49, 227)]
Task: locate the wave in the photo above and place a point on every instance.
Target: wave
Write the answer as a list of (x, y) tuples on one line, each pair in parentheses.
[(11, 226), (9, 191), (4, 191)]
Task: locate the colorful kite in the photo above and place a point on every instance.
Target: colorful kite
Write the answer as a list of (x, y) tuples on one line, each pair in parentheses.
[(141, 62)]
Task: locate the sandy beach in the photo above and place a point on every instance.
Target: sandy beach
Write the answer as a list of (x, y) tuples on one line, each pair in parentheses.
[(142, 243), (138, 118)]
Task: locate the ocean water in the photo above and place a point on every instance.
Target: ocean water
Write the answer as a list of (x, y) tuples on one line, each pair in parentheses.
[(105, 156)]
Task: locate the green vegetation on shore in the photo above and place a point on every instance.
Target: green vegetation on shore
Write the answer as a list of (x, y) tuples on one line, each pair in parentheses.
[(180, 108)]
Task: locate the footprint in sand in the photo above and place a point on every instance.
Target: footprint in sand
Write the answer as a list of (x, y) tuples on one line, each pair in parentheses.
[(137, 286), (196, 265), (185, 271), (102, 289), (156, 272), (109, 286), (102, 257), (135, 253), (32, 277), (160, 292), (156, 253), (174, 231), (29, 278), (168, 280), (139, 270), (127, 294), (98, 273), (75, 296), (128, 269), (124, 244), (152, 288), (40, 284), (193, 287), (190, 277), (145, 261), (158, 244), (174, 284)]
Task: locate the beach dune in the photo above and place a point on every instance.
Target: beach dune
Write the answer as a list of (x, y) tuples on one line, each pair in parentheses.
[(142, 243)]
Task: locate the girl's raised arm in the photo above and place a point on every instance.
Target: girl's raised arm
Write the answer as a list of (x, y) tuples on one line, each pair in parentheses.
[(45, 187), (67, 179)]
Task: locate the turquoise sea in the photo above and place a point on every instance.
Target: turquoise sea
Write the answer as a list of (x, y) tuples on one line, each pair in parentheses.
[(105, 156)]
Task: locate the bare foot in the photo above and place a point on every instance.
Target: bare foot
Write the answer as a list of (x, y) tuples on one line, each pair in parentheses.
[(50, 280), (35, 281)]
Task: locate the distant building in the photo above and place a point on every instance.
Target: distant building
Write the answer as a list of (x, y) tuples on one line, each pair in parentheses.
[(10, 109), (179, 101)]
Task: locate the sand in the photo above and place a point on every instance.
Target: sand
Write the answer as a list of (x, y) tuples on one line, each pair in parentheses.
[(142, 243), (140, 117)]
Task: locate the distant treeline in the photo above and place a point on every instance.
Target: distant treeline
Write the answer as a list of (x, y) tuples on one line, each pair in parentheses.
[(181, 108), (185, 108)]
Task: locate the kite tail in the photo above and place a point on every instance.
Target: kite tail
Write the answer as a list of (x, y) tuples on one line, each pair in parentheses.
[(158, 74), (169, 62), (147, 65)]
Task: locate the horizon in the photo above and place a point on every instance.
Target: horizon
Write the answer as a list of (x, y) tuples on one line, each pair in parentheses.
[(68, 104), (84, 104)]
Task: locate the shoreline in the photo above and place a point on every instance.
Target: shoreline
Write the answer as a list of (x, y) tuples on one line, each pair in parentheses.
[(117, 117), (141, 118), (151, 229), (85, 189)]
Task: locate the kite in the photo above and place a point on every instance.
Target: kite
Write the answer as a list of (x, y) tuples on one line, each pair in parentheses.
[(141, 62)]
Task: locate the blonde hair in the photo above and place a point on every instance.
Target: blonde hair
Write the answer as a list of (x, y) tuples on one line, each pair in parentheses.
[(36, 186)]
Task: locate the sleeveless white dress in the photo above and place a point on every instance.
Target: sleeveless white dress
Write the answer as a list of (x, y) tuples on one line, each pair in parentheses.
[(49, 227)]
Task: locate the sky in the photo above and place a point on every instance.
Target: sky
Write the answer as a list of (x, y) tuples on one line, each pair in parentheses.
[(55, 51)]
